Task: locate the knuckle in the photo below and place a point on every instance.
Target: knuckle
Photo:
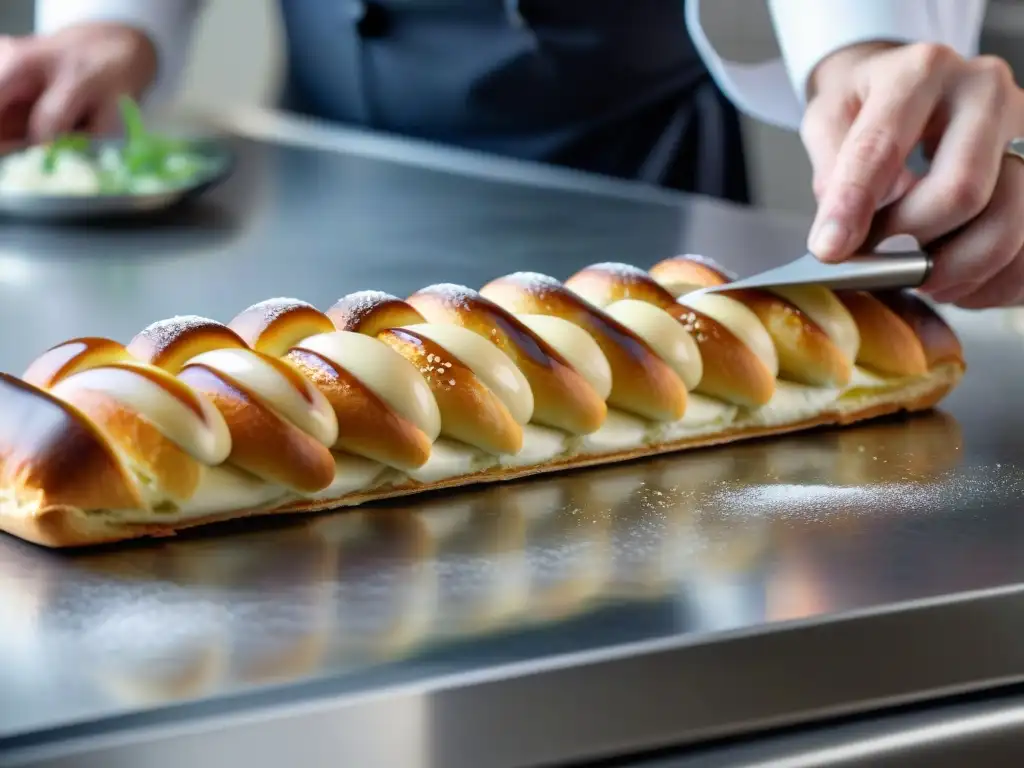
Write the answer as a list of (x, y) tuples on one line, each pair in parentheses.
[(992, 83), (1008, 235), (877, 148), (994, 69), (10, 49), (815, 118), (855, 201), (965, 195), (926, 59), (1004, 244)]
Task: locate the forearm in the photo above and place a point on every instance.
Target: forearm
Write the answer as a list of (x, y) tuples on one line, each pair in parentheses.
[(168, 23)]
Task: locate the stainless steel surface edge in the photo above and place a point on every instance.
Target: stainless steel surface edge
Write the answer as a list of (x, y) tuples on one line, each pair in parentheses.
[(987, 731), (531, 714)]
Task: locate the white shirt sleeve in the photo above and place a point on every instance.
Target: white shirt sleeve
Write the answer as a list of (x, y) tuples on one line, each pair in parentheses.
[(168, 23), (809, 30)]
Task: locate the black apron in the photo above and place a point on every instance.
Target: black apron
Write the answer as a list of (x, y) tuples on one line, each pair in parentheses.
[(607, 86)]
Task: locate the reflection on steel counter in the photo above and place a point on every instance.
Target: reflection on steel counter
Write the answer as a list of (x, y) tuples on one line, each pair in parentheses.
[(375, 585)]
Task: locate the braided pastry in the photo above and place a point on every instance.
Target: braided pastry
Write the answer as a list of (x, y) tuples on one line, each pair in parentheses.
[(290, 409)]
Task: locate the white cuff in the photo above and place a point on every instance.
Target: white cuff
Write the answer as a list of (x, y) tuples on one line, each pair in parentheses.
[(808, 32), (167, 23)]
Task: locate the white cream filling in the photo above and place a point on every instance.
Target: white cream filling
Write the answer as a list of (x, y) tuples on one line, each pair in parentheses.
[(739, 320), (221, 489), (619, 432), (351, 473), (864, 379), (825, 309), (791, 403), (385, 372), (577, 347), (206, 438), (703, 415), (540, 445), (488, 363), (307, 409), (450, 458), (663, 334)]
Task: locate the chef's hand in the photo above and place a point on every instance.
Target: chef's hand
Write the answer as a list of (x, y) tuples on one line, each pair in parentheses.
[(70, 80), (869, 106)]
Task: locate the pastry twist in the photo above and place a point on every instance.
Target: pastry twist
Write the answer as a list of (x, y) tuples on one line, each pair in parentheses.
[(288, 408)]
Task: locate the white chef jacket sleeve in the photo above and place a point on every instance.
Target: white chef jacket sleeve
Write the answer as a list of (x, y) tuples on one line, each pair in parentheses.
[(168, 23), (809, 30)]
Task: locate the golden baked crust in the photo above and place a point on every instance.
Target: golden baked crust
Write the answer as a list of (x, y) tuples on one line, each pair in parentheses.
[(941, 346), (888, 343), (562, 397), (299, 410), (640, 379)]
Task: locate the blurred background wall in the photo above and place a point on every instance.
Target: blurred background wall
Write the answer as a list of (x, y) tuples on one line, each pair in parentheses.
[(237, 58)]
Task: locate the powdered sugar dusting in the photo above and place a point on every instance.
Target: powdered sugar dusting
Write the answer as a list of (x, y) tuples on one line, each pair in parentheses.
[(361, 302), (273, 309), (619, 269), (533, 281), (164, 332), (912, 494), (707, 261), (453, 295)]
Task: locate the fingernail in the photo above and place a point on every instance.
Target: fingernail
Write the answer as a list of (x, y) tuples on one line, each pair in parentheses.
[(828, 240)]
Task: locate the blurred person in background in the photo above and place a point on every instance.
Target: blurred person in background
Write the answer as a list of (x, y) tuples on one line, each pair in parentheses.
[(627, 88)]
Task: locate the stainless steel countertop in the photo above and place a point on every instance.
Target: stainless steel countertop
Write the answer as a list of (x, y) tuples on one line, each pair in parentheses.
[(656, 602)]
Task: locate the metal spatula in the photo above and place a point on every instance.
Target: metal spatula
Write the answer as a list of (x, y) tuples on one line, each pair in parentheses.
[(868, 272)]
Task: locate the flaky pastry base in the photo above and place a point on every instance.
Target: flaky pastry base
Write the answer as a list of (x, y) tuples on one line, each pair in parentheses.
[(61, 526)]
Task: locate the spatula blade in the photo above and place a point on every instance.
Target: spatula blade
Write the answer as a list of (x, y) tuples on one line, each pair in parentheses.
[(868, 272)]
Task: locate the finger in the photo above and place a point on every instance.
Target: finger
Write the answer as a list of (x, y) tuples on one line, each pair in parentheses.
[(105, 118), (826, 123), (905, 181), (875, 151), (67, 103), (14, 122), (876, 233), (964, 169), (23, 77), (1006, 289), (973, 257), (824, 127)]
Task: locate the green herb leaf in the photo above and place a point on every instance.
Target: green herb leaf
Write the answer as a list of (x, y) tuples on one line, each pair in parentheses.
[(142, 152), (72, 142), (131, 116)]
